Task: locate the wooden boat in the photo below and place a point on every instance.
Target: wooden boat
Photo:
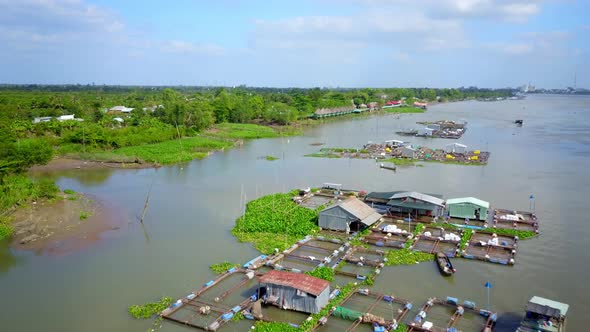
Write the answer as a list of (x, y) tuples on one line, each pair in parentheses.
[(444, 264)]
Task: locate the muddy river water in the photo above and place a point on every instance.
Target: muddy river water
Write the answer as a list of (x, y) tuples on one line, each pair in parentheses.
[(193, 207)]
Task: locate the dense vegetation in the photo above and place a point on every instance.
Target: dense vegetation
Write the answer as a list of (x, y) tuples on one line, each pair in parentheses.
[(322, 272), (221, 268), (149, 309), (275, 221)]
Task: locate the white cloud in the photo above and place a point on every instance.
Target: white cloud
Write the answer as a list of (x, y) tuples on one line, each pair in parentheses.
[(507, 10), (184, 47)]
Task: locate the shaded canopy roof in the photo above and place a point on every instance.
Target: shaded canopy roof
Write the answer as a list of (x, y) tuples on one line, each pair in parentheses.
[(311, 285), (366, 214), (420, 197), (472, 200), (546, 307)]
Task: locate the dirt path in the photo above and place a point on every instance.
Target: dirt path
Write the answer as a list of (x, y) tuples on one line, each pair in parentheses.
[(62, 226)]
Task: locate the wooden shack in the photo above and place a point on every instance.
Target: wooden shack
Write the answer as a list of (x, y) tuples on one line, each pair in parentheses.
[(294, 291)]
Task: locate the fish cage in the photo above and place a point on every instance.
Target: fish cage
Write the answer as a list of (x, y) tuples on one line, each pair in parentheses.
[(488, 253), (216, 302), (392, 241), (434, 245), (506, 241), (364, 310), (451, 315)]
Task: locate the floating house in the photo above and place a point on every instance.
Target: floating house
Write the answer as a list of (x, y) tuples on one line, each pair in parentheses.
[(351, 214), (434, 126), (468, 207), (408, 152), (416, 204), (456, 148), (543, 315), (425, 131), (294, 291)]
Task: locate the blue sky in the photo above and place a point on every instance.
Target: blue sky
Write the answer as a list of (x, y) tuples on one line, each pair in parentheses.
[(305, 43)]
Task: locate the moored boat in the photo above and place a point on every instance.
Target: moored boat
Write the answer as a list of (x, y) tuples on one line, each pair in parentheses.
[(444, 264)]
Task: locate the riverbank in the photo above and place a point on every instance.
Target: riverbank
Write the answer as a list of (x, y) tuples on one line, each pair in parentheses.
[(64, 224), (217, 138)]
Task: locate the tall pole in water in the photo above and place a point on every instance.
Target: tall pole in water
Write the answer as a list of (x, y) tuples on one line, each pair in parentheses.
[(488, 286)]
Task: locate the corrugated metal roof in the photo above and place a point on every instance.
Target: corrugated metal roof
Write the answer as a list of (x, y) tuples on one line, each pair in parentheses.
[(412, 205), (420, 197), (547, 307), (472, 200), (303, 282), (360, 210)]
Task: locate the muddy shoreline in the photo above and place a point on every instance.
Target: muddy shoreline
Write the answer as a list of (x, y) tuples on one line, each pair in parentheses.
[(62, 164), (63, 225)]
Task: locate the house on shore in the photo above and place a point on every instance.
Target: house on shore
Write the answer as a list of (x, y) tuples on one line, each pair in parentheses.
[(42, 119), (294, 291), (349, 215), (120, 109)]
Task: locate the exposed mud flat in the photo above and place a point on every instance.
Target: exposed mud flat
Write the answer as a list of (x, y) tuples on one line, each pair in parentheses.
[(62, 226), (62, 164)]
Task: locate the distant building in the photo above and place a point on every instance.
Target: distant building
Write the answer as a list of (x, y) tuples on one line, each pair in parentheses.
[(42, 119), (351, 214), (65, 117), (153, 108), (120, 109), (294, 291)]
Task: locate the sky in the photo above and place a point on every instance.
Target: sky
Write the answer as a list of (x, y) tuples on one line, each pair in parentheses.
[(303, 43)]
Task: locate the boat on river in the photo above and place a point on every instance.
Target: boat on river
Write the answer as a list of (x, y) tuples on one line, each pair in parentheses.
[(444, 264), (543, 315)]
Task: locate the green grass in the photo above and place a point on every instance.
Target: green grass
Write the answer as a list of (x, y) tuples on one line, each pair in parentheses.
[(69, 191), (241, 131), (174, 151), (404, 109), (149, 309), (271, 158), (406, 257), (454, 162), (399, 161), (6, 229), (522, 235), (221, 268), (261, 326), (323, 155), (465, 238), (275, 221), (85, 215), (323, 272)]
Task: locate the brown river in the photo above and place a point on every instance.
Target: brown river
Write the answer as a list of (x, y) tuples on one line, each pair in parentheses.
[(193, 207)]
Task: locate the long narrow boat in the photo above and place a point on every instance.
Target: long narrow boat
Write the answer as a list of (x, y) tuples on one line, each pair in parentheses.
[(444, 264)]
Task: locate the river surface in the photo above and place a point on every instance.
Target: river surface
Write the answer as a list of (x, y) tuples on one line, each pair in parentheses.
[(193, 207)]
